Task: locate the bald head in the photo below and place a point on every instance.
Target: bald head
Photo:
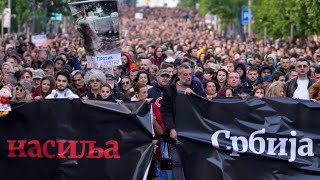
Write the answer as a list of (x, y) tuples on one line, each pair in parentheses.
[(145, 64)]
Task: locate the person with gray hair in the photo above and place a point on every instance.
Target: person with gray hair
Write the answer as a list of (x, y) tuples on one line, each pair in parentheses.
[(9, 78), (6, 67), (94, 79), (184, 83)]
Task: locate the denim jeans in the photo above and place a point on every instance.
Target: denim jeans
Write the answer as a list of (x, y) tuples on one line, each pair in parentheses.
[(177, 168), (164, 174)]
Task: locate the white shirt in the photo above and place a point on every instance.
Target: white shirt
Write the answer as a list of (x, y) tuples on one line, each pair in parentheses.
[(302, 90), (55, 94)]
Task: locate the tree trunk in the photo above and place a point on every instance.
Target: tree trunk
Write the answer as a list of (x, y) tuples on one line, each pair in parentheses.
[(19, 25)]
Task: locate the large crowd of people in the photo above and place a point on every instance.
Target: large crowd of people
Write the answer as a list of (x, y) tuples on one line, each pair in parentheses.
[(168, 51)]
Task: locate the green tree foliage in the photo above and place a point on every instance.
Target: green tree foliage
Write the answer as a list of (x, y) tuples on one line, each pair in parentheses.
[(307, 16), (189, 3), (279, 15), (57, 6), (2, 5), (22, 12), (228, 10), (276, 15)]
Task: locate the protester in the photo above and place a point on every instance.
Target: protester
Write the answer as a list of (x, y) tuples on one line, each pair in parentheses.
[(106, 93), (252, 80), (259, 91), (211, 90), (225, 92), (78, 86), (44, 89), (298, 87), (125, 87), (221, 79), (62, 83), (156, 91), (314, 92), (143, 77), (25, 75), (156, 51), (276, 89), (94, 79), (37, 75), (22, 92), (185, 84)]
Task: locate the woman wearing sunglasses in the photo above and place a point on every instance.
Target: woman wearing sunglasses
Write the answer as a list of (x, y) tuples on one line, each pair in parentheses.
[(125, 86), (22, 92), (94, 79)]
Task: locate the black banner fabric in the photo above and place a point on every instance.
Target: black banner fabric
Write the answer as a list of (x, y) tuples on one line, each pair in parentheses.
[(224, 139), (74, 140), (248, 139)]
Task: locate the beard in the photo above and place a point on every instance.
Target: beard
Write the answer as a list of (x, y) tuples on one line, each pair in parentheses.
[(185, 82), (61, 88)]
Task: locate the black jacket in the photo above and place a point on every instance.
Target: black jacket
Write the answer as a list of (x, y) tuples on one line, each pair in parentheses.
[(155, 93), (292, 85), (247, 87), (168, 105), (91, 96)]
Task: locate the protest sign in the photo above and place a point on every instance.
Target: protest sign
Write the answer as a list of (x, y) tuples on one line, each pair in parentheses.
[(98, 25)]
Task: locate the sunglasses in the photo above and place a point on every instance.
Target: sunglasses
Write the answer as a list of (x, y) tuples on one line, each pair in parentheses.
[(19, 89), (126, 82)]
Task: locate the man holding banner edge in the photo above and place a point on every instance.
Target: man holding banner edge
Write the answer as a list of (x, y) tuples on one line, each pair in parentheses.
[(183, 83)]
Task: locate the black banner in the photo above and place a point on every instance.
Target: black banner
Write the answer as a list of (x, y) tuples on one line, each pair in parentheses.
[(62, 139), (249, 139), (224, 139)]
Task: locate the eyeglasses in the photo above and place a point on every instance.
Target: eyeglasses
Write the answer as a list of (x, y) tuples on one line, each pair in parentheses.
[(19, 89), (95, 80), (125, 82), (304, 66)]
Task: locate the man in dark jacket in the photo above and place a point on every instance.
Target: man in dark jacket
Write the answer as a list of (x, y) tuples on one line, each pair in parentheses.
[(78, 86), (298, 87), (183, 83), (284, 65), (163, 78), (116, 94), (252, 80)]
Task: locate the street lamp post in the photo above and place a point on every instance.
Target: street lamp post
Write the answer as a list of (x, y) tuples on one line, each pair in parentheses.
[(33, 17), (249, 19), (9, 6)]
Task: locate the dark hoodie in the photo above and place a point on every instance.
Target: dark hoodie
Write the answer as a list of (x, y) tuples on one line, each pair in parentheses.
[(244, 68)]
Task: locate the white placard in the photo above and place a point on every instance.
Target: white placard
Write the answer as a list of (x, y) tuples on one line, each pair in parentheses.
[(97, 22), (104, 61), (39, 40), (6, 18), (138, 15)]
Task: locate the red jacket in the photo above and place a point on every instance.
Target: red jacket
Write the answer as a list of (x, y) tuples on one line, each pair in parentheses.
[(157, 114), (36, 92)]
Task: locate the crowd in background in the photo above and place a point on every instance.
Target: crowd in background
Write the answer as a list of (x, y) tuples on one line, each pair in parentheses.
[(156, 51)]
